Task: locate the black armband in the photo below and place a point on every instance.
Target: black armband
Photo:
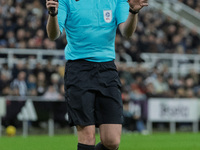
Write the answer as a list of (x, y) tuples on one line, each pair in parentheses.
[(133, 12)]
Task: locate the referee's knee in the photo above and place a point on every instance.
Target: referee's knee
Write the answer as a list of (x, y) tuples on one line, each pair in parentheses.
[(112, 143), (88, 139)]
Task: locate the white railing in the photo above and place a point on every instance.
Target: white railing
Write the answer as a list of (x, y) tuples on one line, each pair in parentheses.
[(178, 64), (177, 6), (167, 6), (39, 54)]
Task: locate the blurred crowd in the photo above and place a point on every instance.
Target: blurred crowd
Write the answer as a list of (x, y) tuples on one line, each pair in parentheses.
[(194, 4), (141, 84), (23, 25), (138, 83), (21, 80)]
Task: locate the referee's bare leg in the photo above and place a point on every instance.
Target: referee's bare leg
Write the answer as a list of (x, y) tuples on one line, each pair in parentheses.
[(86, 137), (110, 135)]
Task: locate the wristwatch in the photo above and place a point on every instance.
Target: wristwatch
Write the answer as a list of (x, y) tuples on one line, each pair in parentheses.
[(133, 12), (52, 13)]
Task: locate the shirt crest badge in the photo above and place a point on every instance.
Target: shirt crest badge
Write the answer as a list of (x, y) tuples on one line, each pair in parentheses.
[(107, 15)]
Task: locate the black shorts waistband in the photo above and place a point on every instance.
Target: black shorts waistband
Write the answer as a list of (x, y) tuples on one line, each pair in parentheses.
[(91, 62)]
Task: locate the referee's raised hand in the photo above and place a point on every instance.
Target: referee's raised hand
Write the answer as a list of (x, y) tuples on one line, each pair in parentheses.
[(52, 6), (136, 5), (53, 30)]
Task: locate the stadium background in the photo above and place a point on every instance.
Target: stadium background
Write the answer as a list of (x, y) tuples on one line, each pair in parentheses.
[(160, 61)]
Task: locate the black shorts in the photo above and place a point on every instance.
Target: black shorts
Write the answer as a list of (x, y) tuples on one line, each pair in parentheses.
[(93, 93)]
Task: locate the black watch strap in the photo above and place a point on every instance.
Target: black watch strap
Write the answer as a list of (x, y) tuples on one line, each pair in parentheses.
[(53, 14), (133, 12)]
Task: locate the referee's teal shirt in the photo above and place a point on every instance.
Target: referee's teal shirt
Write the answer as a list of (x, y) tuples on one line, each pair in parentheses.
[(90, 27)]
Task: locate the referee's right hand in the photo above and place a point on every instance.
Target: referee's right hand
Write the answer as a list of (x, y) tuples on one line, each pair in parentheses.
[(52, 26), (52, 4)]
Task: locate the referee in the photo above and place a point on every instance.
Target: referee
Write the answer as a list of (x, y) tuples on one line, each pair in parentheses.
[(92, 85)]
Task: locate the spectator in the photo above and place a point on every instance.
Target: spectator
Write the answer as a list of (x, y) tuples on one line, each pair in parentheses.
[(31, 85), (132, 116), (52, 94), (180, 93), (150, 90), (6, 91), (20, 66), (38, 68), (19, 84), (4, 82), (49, 70), (160, 85), (55, 81)]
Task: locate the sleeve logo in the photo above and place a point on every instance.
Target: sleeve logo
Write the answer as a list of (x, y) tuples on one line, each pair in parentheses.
[(107, 15)]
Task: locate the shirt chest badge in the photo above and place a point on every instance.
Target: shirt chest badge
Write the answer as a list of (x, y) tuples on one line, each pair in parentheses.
[(107, 15)]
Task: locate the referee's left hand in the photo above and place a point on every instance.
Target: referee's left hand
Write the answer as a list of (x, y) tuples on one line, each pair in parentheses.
[(136, 5), (52, 4)]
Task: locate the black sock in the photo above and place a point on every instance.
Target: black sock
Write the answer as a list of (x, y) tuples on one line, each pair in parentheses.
[(100, 146), (85, 147)]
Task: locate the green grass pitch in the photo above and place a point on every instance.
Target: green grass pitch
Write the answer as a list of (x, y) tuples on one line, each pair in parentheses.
[(158, 141)]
